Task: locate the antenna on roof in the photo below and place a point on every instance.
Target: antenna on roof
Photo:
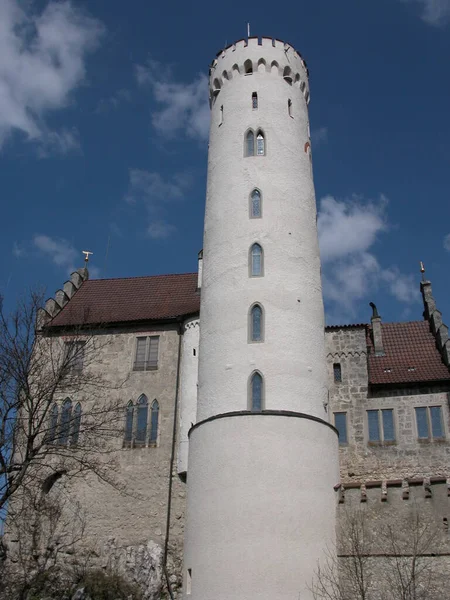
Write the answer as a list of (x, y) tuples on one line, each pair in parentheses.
[(86, 255), (248, 30), (422, 270)]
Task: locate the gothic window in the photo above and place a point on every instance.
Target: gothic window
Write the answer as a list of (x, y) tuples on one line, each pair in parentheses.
[(74, 357), (256, 261), (248, 67), (260, 144), (250, 143), (129, 413), (256, 323), (141, 420), (146, 358), (76, 423), (255, 205), (340, 422), (429, 422), (53, 424), (254, 100), (337, 372), (381, 425), (256, 392), (154, 419), (64, 426)]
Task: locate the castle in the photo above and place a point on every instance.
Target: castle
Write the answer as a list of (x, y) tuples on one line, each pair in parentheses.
[(240, 417)]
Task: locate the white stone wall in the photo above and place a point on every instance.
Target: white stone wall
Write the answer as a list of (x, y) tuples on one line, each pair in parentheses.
[(188, 389)]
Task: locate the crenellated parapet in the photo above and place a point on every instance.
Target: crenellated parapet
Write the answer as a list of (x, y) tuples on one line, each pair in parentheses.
[(259, 55), (53, 306), (391, 490), (434, 317)]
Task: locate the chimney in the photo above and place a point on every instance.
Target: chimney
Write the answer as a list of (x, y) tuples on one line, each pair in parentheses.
[(376, 331), (200, 270)]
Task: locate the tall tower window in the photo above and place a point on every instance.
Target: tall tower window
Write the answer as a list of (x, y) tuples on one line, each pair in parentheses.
[(76, 423), (142, 415), (250, 143), (154, 422), (248, 67), (260, 144), (254, 100), (255, 205), (66, 416), (290, 107), (129, 422), (256, 392), (221, 115), (256, 324), (256, 261)]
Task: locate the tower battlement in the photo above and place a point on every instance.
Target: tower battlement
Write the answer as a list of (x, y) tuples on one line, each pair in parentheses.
[(259, 55)]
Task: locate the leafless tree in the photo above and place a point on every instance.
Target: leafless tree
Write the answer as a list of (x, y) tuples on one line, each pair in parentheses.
[(394, 559), (42, 439)]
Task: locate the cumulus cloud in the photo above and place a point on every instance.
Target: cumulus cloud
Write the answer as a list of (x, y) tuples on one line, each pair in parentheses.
[(447, 242), (155, 194), (183, 106), (60, 251), (42, 61), (434, 12), (348, 231)]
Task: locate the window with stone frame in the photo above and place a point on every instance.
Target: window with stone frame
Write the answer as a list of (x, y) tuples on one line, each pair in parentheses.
[(141, 423), (430, 425), (147, 350), (340, 422), (381, 426), (337, 372)]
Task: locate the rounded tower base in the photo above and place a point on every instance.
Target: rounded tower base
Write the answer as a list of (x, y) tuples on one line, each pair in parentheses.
[(261, 505)]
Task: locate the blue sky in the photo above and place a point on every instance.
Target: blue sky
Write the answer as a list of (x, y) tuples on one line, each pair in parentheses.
[(103, 139)]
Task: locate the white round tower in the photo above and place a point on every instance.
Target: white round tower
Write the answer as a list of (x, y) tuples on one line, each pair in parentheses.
[(263, 458)]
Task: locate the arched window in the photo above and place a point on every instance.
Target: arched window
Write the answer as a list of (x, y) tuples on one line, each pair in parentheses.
[(235, 70), (302, 86), (154, 422), (255, 204), (297, 79), (248, 67), (256, 392), (261, 65), (287, 74), (64, 426), (256, 324), (260, 144), (225, 75), (76, 423), (129, 412), (141, 419), (53, 424), (274, 67), (256, 261), (250, 143), (254, 100)]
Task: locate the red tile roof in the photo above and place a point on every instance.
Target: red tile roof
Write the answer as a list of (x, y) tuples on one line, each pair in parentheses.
[(159, 297), (411, 355)]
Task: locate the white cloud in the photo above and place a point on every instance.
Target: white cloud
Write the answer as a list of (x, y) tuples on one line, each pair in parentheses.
[(319, 136), (155, 193), (447, 242), (348, 231), (18, 250), (160, 230), (434, 12), (60, 251), (42, 61), (184, 106)]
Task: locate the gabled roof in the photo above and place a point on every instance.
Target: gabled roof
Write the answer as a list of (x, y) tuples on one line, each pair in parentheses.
[(411, 355), (108, 301)]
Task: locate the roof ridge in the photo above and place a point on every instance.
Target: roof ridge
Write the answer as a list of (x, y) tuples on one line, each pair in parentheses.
[(141, 277)]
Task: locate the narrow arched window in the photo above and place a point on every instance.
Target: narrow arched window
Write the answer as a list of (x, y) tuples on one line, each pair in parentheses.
[(76, 423), (154, 419), (129, 413), (64, 426), (260, 144), (255, 204), (287, 74), (141, 420), (254, 100), (290, 107), (256, 392), (256, 261), (250, 143), (248, 67), (53, 424), (256, 323)]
